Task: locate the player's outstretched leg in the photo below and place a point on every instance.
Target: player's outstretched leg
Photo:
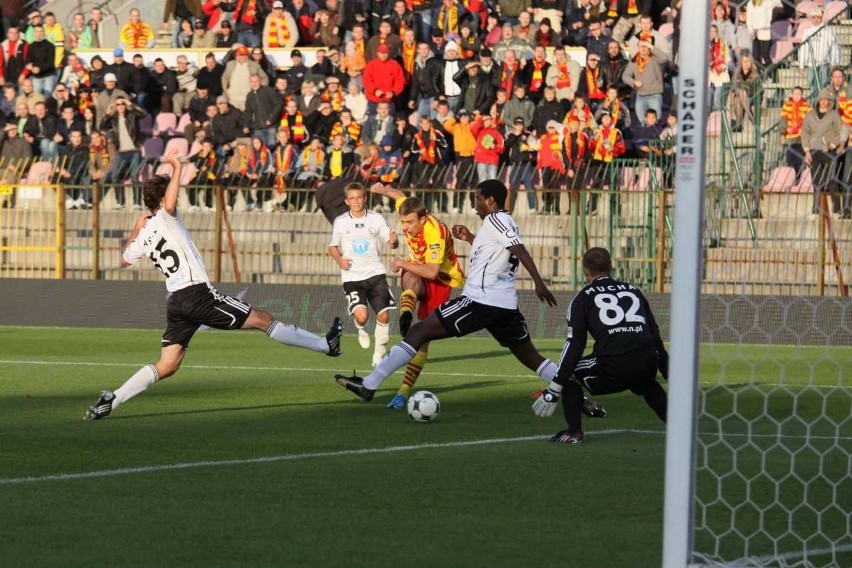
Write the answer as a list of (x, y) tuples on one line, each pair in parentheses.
[(288, 334), (657, 399), (355, 385), (102, 407), (412, 372), (170, 359)]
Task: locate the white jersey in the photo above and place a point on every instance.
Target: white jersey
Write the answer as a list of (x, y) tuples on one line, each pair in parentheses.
[(165, 240), (359, 240), (491, 273)]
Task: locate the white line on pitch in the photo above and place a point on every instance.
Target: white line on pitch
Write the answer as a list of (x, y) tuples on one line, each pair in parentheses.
[(292, 457), (326, 370)]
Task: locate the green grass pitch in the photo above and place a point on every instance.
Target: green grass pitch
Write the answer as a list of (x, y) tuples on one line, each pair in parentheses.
[(269, 468)]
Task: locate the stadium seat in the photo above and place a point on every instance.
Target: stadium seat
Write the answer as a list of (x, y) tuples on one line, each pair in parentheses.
[(627, 179), (780, 49), (714, 123), (195, 148), (667, 30), (146, 125), (804, 9), (164, 169), (832, 9), (165, 123), (806, 183), (40, 172), (781, 30), (179, 144), (643, 183), (187, 172), (152, 148), (181, 125), (800, 30), (781, 180)]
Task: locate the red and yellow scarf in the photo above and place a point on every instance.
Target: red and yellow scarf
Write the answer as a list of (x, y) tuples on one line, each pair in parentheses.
[(428, 150)]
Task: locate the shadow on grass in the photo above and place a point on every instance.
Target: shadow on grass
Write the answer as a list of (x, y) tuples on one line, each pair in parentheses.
[(232, 409)]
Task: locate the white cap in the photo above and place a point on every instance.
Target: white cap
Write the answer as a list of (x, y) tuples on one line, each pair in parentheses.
[(110, 77), (451, 45), (278, 4)]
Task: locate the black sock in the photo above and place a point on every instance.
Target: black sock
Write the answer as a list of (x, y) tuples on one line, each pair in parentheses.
[(657, 399), (572, 406)]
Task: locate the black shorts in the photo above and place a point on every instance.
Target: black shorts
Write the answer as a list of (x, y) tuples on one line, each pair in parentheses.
[(462, 316), (607, 375), (374, 291), (198, 305)]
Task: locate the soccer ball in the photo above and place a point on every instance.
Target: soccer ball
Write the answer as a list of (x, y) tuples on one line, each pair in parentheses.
[(424, 406)]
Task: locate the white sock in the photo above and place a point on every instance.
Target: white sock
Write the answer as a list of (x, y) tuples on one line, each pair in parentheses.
[(292, 335), (358, 326), (547, 370), (382, 334), (139, 382), (399, 356)]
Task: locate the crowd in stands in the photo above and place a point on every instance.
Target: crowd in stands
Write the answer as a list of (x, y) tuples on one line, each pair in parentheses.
[(415, 93)]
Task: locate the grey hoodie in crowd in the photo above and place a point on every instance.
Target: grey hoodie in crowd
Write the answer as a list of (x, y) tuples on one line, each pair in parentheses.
[(825, 132)]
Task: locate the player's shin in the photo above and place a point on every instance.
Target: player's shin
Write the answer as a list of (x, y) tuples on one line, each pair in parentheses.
[(572, 406), (139, 382), (382, 334), (407, 301), (292, 335), (657, 399), (413, 370), (398, 356)]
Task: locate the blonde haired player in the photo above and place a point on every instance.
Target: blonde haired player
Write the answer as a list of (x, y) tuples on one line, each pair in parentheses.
[(356, 237), (427, 276)]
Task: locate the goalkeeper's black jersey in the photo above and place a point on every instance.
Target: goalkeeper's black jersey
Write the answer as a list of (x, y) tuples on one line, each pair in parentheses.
[(618, 317)]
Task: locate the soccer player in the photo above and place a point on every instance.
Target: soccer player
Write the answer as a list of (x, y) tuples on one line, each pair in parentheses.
[(355, 240), (161, 236), (488, 301), (428, 275), (628, 349)]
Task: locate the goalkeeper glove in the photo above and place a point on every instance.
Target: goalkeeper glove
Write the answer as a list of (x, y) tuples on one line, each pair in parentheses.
[(545, 405)]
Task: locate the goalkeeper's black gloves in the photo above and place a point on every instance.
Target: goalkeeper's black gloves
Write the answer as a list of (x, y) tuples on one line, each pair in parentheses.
[(545, 405), (663, 363)]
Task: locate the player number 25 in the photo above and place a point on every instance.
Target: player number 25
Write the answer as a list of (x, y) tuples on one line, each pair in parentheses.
[(612, 314)]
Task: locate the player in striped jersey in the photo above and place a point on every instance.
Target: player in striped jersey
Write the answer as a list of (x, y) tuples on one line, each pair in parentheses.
[(161, 236), (427, 276), (489, 300)]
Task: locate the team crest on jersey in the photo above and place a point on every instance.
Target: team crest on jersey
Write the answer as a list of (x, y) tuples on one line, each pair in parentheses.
[(372, 230), (434, 256)]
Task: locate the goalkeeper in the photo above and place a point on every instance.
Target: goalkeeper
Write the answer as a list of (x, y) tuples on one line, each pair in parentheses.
[(627, 354), (428, 275)]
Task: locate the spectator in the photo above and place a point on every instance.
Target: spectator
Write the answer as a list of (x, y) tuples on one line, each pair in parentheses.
[(259, 173), (348, 129), (300, 12), (613, 66), (75, 172), (359, 40), (790, 125), (508, 42), (546, 36), (33, 19), (550, 165), (525, 31), (385, 37), (54, 33), (583, 114), (333, 94), (43, 132), (519, 106), (759, 21), (100, 158), (717, 76), (284, 161), (647, 33), (235, 79), (645, 74), (509, 72), (210, 76), (743, 87), (207, 167), (489, 148), (356, 102), (309, 101), (819, 52), (139, 84), (576, 24), (40, 63), (226, 37), (202, 38), (178, 11), (822, 137), (438, 42), (468, 42), (294, 122), (425, 81), (225, 126), (322, 122), (96, 75), (89, 124), (15, 150), (552, 12), (739, 37), (447, 16), (325, 30), (280, 29), (534, 74), (407, 54), (402, 18), (493, 30), (451, 67), (617, 109), (165, 87), (29, 95), (520, 156), (353, 63), (297, 72), (79, 35), (576, 146), (511, 9), (644, 136), (136, 34), (249, 17), (592, 85), (185, 35), (548, 109), (186, 85), (477, 92), (722, 21), (338, 158), (121, 123), (564, 76), (7, 103), (379, 125), (68, 122), (128, 74), (197, 109), (608, 144), (596, 43), (383, 79), (13, 51), (262, 111), (259, 57), (213, 15), (310, 166), (487, 66), (464, 146), (626, 14)]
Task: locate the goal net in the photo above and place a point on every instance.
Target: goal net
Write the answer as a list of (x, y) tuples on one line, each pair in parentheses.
[(769, 446)]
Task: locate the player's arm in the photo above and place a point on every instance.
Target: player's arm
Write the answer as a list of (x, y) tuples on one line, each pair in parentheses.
[(170, 200), (386, 191), (342, 262), (462, 233), (427, 271), (541, 289), (132, 251)]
